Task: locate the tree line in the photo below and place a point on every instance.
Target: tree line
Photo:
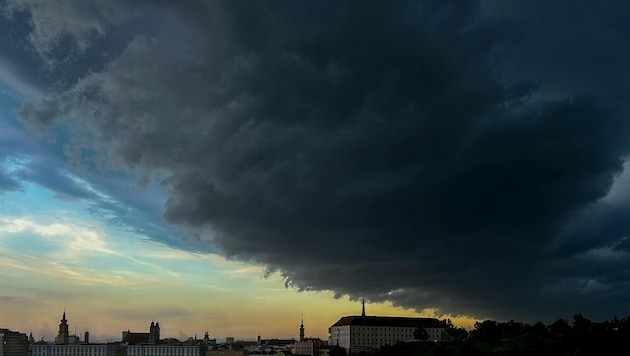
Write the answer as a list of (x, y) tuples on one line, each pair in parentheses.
[(579, 336)]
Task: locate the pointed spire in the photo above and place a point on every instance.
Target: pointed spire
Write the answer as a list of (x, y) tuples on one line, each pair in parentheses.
[(62, 335), (363, 307)]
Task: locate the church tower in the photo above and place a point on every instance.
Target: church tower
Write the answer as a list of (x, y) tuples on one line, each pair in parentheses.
[(154, 333), (302, 329), (62, 335)]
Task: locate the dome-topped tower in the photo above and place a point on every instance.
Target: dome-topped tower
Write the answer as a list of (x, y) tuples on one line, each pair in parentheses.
[(62, 335)]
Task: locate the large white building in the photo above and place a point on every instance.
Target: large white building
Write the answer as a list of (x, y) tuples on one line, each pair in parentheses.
[(74, 350), (369, 333), (70, 345), (166, 350)]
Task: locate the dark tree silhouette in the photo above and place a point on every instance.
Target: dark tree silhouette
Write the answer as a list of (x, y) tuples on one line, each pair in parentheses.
[(454, 334), (488, 330), (338, 351), (421, 334)]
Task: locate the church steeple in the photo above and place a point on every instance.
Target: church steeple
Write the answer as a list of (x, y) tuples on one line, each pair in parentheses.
[(363, 307), (62, 335), (302, 329)]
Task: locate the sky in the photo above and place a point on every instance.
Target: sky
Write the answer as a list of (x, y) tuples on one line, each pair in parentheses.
[(233, 166)]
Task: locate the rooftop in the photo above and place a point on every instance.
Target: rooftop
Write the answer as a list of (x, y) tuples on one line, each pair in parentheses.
[(395, 321)]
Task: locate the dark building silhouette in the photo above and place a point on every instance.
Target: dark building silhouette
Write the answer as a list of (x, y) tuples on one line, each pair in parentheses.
[(154, 333), (62, 335), (134, 338), (13, 343)]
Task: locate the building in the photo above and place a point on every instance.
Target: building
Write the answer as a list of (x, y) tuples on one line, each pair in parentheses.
[(13, 343), (370, 333), (136, 338), (307, 346), (74, 349), (62, 334), (228, 352), (166, 350), (70, 345)]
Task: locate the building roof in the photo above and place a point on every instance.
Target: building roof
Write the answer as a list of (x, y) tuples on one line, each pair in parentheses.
[(312, 339), (136, 338), (278, 342), (394, 321)]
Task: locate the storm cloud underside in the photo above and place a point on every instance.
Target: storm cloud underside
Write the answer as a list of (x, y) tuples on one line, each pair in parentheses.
[(385, 152)]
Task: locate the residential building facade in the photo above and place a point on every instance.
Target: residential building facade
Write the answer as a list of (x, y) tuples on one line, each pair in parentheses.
[(13, 343)]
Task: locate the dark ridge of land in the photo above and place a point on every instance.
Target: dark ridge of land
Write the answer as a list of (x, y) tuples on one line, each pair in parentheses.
[(579, 336)]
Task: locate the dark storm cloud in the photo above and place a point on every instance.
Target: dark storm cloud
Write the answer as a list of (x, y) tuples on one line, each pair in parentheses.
[(384, 152), (572, 46)]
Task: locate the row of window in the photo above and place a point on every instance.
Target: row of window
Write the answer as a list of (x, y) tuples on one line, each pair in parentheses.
[(150, 352), (71, 351)]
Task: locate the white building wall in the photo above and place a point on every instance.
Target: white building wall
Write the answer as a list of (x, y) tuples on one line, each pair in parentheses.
[(339, 336), (358, 338), (163, 350), (305, 348), (74, 350)]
